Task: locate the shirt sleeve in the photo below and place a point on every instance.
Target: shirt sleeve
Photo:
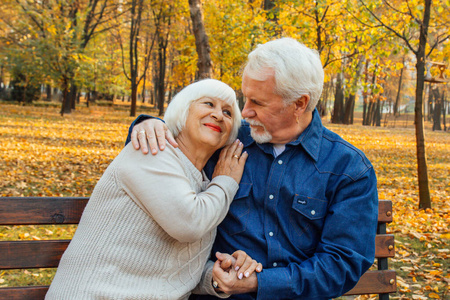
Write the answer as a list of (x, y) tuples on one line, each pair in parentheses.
[(159, 185), (345, 251)]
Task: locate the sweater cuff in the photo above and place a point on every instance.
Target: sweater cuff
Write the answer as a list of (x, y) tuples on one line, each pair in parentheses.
[(227, 183), (205, 285)]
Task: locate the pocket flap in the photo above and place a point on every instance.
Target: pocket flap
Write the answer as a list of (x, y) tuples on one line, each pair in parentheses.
[(312, 208)]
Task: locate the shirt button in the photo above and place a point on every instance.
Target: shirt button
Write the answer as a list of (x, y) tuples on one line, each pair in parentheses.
[(280, 162), (313, 212), (270, 197), (271, 233), (274, 264)]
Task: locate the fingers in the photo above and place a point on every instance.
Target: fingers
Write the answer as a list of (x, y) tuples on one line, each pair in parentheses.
[(171, 139), (245, 265), (226, 260), (151, 133), (143, 141), (134, 139), (243, 158), (160, 133)]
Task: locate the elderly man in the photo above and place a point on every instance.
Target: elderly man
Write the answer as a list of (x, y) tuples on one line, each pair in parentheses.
[(307, 203)]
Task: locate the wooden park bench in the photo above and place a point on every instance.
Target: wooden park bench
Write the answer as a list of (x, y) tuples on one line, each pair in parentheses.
[(29, 254)]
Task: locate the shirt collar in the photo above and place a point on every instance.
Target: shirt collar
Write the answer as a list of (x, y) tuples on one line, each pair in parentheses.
[(309, 139)]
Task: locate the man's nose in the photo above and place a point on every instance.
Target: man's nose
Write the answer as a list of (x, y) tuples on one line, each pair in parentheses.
[(247, 111)]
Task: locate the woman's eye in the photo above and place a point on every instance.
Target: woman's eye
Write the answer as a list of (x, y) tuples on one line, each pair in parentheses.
[(209, 104), (227, 112)]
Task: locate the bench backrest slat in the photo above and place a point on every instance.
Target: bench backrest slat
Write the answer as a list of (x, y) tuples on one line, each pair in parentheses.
[(68, 210), (375, 282), (31, 254), (23, 293), (41, 210)]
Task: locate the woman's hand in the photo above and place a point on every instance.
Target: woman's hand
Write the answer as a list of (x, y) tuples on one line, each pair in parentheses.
[(225, 277), (231, 161), (155, 132), (243, 264)]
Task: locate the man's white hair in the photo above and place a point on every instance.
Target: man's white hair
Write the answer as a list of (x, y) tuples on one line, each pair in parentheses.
[(178, 109), (297, 69)]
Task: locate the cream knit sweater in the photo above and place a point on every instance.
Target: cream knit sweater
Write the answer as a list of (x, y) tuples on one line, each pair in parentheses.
[(146, 232)]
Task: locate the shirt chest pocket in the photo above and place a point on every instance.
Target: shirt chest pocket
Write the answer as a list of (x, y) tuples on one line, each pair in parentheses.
[(236, 220), (306, 221)]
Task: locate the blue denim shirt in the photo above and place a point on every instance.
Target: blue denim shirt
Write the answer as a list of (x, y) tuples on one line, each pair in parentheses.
[(309, 215)]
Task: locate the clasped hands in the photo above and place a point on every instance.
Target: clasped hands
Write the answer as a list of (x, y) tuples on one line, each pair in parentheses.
[(235, 274)]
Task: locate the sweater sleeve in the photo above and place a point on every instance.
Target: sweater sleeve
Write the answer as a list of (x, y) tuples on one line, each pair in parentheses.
[(160, 186), (205, 287)]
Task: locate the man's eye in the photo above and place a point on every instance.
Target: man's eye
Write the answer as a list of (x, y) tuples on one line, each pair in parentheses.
[(254, 101), (209, 103)]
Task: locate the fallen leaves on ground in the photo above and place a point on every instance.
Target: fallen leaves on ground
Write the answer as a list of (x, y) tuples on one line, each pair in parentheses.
[(43, 154)]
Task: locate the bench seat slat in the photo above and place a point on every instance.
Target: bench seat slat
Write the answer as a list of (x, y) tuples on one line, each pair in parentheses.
[(375, 282), (41, 210), (22, 293), (31, 254)]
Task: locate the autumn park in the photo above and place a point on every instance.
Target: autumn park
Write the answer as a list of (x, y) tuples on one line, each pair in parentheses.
[(76, 73)]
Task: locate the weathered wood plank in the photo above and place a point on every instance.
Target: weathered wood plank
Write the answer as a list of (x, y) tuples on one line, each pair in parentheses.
[(31, 254), (384, 211), (41, 210), (384, 245), (375, 282), (24, 293)]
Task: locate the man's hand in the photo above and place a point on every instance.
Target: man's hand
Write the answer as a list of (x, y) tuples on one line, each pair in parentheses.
[(229, 283), (153, 131)]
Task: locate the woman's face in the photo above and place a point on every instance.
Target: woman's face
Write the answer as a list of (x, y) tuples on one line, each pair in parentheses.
[(209, 123)]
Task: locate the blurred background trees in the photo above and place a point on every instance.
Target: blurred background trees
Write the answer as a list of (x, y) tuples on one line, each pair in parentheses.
[(382, 58)]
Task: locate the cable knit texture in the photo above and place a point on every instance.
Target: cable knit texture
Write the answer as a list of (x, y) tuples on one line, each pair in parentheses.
[(146, 232)]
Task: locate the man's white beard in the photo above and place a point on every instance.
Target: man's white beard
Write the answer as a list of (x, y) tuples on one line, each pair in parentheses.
[(260, 138)]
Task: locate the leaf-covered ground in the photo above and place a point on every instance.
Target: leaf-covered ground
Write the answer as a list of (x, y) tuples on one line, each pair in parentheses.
[(43, 154)]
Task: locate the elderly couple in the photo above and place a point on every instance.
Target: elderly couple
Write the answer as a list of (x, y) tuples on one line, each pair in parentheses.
[(283, 212)]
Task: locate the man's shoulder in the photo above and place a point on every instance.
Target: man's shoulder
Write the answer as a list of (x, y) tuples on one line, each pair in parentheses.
[(338, 153)]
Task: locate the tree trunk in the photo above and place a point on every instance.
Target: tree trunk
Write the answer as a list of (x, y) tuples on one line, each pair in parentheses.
[(349, 108), (338, 113), (48, 91), (65, 106), (161, 75), (204, 63), (73, 95), (422, 169), (365, 100), (437, 109), (133, 98), (377, 118), (444, 110), (399, 90)]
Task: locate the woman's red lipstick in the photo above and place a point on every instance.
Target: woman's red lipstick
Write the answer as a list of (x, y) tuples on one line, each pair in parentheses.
[(214, 127)]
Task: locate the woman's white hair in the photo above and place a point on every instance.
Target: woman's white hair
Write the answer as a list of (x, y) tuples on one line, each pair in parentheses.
[(297, 69), (178, 109)]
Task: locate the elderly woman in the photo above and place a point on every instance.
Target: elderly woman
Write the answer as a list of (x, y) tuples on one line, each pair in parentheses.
[(148, 228)]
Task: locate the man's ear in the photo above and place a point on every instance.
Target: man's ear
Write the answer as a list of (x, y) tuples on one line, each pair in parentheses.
[(301, 104)]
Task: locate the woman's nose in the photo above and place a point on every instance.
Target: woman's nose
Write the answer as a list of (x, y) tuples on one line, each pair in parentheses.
[(217, 115)]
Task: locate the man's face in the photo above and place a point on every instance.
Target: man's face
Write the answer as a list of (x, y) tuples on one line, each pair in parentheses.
[(270, 120)]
